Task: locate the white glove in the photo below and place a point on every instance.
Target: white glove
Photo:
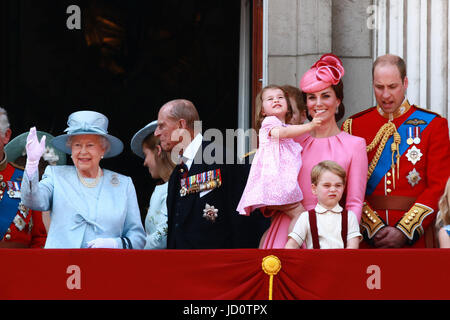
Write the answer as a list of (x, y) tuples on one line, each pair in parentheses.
[(103, 243), (35, 150)]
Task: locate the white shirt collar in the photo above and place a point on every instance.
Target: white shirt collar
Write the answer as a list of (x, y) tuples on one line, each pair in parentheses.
[(336, 209), (192, 149)]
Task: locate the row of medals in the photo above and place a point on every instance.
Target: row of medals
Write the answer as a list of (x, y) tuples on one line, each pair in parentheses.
[(208, 185), (18, 220)]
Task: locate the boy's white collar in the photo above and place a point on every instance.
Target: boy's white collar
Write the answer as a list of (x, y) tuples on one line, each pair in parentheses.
[(336, 209)]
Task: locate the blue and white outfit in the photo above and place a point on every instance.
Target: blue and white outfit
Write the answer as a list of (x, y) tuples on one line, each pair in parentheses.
[(80, 214), (447, 228), (156, 219)]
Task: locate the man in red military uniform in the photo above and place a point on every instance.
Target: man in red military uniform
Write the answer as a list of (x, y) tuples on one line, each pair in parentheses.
[(408, 150), (20, 227)]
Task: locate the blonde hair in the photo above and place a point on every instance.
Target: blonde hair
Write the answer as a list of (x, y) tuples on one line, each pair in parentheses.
[(443, 218), (327, 165), (259, 117)]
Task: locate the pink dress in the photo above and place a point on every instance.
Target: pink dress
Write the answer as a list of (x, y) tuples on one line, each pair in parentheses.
[(273, 175), (348, 151)]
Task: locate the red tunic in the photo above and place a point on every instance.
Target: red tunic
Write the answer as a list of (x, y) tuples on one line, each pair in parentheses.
[(412, 205), (28, 231)]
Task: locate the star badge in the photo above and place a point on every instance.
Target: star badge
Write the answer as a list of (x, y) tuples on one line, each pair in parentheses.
[(413, 177), (414, 154), (210, 213)]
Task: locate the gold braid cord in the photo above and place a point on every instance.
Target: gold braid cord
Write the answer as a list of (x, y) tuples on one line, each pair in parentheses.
[(347, 126), (382, 136)]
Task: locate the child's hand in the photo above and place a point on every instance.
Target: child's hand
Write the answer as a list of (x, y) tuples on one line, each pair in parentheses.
[(316, 122)]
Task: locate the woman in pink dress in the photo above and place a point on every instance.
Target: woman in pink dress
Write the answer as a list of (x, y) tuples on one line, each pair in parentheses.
[(272, 180), (323, 93)]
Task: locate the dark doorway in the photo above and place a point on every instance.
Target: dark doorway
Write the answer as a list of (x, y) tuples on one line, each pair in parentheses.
[(129, 58)]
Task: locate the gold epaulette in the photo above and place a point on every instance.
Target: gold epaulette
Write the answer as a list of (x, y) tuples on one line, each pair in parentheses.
[(15, 165), (371, 221), (429, 111), (347, 125), (412, 220)]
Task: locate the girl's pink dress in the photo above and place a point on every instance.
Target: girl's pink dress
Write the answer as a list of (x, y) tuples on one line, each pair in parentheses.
[(348, 151), (273, 175)]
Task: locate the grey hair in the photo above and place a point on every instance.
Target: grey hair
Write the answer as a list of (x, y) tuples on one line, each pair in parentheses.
[(103, 140), (4, 122)]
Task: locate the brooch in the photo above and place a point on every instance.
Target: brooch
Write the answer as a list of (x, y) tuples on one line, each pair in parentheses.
[(115, 180), (23, 210), (19, 222), (210, 213), (413, 177)]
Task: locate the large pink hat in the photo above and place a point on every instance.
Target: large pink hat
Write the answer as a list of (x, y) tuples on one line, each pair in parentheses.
[(327, 71)]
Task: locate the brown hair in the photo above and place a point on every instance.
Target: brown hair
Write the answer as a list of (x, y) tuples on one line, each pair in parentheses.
[(392, 60), (339, 91), (259, 117), (327, 165), (151, 142), (296, 94)]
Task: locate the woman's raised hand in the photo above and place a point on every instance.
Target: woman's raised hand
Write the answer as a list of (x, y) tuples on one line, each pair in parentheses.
[(35, 150)]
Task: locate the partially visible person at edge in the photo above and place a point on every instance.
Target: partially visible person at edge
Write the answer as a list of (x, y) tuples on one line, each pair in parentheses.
[(297, 103), (408, 148), (204, 189), (90, 207), (145, 145), (323, 94), (443, 218), (16, 152), (20, 227)]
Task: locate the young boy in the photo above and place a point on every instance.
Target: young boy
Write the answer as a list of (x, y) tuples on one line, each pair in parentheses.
[(327, 226)]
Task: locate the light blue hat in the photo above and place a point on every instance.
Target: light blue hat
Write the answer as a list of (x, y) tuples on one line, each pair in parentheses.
[(139, 137), (88, 122)]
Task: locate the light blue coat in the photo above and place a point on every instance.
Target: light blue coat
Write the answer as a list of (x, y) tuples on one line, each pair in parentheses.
[(80, 214)]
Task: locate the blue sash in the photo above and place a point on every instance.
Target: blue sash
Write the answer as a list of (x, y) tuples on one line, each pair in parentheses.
[(384, 163), (9, 206)]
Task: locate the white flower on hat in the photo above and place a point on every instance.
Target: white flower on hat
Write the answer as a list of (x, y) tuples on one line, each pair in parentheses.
[(50, 156)]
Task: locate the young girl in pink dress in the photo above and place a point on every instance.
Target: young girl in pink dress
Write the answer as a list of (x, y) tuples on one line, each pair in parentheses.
[(323, 93), (272, 181)]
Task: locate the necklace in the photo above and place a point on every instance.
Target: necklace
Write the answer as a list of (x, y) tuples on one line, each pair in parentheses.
[(92, 184)]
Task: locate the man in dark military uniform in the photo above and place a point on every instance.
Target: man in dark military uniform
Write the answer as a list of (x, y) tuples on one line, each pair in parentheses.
[(20, 227), (408, 150), (203, 193)]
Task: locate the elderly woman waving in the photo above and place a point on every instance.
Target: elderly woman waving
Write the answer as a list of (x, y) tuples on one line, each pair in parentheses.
[(91, 207)]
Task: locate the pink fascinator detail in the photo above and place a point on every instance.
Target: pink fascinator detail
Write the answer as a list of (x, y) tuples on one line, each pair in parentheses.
[(327, 71)]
